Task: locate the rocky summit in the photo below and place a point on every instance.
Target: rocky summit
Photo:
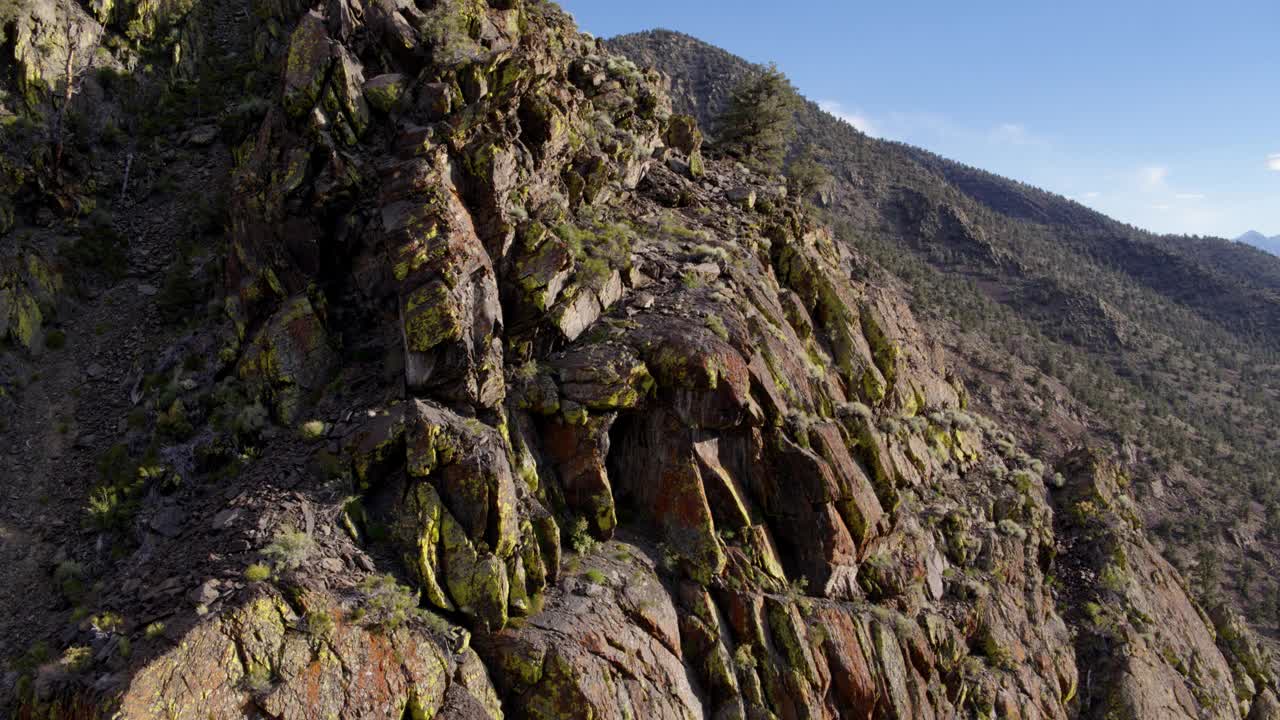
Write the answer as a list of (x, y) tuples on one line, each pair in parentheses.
[(381, 359)]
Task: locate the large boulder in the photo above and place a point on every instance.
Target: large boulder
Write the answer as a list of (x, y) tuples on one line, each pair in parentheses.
[(260, 657), (289, 358)]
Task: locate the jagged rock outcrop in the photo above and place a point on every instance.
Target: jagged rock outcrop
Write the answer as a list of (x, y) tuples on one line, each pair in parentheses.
[(1152, 652), (283, 661), (640, 434)]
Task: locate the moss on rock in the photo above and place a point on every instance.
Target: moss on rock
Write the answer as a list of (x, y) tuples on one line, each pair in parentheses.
[(289, 358)]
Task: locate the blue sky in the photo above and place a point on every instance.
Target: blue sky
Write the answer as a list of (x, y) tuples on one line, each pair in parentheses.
[(1161, 114)]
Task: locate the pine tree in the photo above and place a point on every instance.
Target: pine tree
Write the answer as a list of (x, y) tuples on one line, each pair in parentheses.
[(760, 121), (805, 175)]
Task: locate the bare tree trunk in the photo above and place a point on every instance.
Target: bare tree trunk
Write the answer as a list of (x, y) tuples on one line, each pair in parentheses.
[(68, 92), (124, 186)]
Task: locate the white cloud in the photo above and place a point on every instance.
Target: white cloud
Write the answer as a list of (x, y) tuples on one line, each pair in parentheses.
[(1011, 134), (1154, 177), (1093, 195), (1273, 161), (1189, 196), (855, 118), (1162, 207)]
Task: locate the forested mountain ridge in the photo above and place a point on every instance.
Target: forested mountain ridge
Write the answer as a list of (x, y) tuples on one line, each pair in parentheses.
[(1229, 284)]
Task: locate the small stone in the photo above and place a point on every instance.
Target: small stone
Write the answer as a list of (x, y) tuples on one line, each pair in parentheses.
[(707, 270), (147, 289), (435, 100), (745, 197), (168, 522), (169, 586), (203, 135), (226, 519), (206, 593), (94, 371), (365, 563), (333, 565)]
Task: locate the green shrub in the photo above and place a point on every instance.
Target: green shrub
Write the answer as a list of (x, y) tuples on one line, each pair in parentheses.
[(257, 572), (890, 425), (99, 248), (77, 658), (107, 622), (744, 656), (1024, 480), (156, 629), (313, 430), (111, 136), (594, 576), (806, 176), (1012, 529), (672, 226), (115, 467), (597, 248), (387, 603), (289, 549), (320, 624), (173, 423), (180, 293), (1114, 578), (110, 508), (1095, 613), (594, 272), (580, 536), (704, 252), (37, 654), (251, 420), (857, 410), (258, 679), (69, 578), (716, 325), (799, 587)]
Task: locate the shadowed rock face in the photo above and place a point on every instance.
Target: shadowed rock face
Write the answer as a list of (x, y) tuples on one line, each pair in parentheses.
[(1129, 605), (644, 442)]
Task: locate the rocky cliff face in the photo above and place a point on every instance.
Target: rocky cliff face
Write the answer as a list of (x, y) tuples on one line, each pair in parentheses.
[(514, 405)]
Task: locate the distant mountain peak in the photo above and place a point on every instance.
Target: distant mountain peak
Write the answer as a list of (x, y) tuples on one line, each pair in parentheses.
[(1260, 241)]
